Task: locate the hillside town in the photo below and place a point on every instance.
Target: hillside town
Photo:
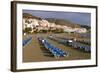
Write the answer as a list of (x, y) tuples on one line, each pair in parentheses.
[(32, 25)]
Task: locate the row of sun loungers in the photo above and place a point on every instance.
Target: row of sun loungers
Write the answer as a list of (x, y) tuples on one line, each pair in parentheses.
[(25, 41), (57, 52), (88, 42), (72, 43)]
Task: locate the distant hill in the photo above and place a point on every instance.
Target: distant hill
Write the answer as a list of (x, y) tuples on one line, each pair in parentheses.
[(56, 25), (27, 15), (63, 22), (57, 21)]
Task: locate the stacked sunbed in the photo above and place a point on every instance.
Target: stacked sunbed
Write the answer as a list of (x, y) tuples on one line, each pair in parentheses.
[(72, 43), (25, 41), (54, 50)]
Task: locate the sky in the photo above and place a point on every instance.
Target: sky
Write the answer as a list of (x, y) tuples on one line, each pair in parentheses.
[(74, 17)]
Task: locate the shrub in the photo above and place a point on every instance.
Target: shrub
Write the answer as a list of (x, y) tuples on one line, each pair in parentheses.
[(27, 30)]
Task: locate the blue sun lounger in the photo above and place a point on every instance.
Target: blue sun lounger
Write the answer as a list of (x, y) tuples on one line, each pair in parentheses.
[(26, 41), (54, 50)]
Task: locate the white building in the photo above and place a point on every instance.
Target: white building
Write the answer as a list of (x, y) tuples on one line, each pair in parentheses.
[(44, 24), (80, 30)]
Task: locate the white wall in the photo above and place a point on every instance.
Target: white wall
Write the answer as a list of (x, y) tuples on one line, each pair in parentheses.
[(5, 37)]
